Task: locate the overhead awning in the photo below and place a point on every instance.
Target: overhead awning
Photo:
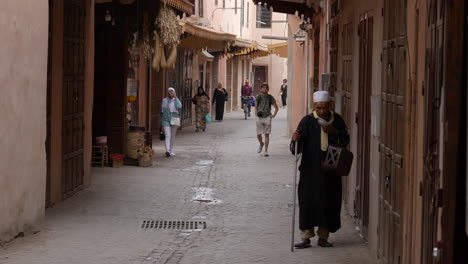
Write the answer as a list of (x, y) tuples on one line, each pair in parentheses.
[(252, 49), (198, 37), (302, 7), (208, 56), (280, 49)]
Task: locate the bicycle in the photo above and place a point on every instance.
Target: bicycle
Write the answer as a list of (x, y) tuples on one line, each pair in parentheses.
[(245, 105)]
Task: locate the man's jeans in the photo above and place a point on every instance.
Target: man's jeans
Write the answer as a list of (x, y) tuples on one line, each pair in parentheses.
[(246, 101)]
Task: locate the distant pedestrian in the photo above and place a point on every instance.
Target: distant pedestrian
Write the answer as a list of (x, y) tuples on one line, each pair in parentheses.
[(219, 98), (170, 119), (284, 92), (202, 108), (264, 116), (246, 91), (319, 192)]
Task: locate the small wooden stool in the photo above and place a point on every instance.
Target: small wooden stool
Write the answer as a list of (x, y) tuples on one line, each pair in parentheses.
[(100, 156)]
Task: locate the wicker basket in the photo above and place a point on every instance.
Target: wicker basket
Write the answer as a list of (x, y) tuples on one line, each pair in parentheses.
[(135, 143)]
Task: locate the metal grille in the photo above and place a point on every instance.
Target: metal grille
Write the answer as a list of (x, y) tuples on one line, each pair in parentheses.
[(170, 224)]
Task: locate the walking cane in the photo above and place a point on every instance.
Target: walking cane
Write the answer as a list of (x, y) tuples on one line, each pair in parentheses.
[(294, 198)]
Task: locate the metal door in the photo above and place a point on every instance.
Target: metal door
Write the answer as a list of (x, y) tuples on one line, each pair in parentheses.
[(361, 205), (73, 96), (235, 83), (180, 78), (229, 75), (394, 76), (432, 93)]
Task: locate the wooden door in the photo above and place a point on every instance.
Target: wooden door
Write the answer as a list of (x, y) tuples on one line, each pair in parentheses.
[(432, 94), (394, 77), (334, 60), (158, 93), (229, 75), (316, 60), (49, 106), (260, 78), (361, 205), (73, 96), (110, 79), (347, 86)]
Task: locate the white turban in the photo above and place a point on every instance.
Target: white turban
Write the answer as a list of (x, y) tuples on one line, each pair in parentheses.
[(171, 89), (321, 97)]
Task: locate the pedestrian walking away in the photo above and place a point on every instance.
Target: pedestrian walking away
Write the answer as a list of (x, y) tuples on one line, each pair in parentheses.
[(220, 96), (202, 108), (319, 192), (264, 117), (170, 119), (284, 92), (246, 91)]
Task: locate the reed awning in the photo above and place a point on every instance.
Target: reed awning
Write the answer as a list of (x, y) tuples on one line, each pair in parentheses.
[(280, 49), (198, 37)]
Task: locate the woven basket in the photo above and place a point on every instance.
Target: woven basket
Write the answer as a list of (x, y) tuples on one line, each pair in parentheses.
[(145, 160)]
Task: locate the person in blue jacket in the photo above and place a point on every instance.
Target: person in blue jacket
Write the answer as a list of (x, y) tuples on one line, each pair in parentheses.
[(170, 119)]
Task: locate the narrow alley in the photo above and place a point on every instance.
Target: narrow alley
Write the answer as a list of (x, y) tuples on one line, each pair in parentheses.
[(216, 178)]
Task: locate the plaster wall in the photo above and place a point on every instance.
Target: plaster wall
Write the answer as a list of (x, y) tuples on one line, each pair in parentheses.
[(23, 73), (297, 88)]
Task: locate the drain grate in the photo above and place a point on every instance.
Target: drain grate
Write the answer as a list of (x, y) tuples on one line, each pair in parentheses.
[(168, 224)]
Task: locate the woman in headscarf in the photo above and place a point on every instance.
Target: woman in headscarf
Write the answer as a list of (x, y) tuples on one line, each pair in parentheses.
[(220, 97), (170, 119), (202, 107)]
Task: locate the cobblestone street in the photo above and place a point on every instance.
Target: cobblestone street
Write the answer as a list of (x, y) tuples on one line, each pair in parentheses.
[(216, 177)]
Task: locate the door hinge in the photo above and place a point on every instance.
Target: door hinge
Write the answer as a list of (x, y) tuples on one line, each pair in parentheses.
[(383, 12), (423, 88), (356, 118), (421, 186)]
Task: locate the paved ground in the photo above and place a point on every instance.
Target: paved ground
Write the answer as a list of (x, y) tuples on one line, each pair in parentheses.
[(244, 198)]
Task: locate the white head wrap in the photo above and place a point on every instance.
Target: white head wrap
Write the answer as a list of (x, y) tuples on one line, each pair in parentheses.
[(171, 89), (321, 97)]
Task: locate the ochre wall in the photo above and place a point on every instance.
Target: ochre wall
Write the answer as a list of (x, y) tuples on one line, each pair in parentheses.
[(23, 73)]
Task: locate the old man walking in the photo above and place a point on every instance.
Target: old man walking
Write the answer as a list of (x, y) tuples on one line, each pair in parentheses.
[(319, 192)]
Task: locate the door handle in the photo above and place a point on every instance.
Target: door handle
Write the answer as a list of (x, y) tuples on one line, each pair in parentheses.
[(387, 181)]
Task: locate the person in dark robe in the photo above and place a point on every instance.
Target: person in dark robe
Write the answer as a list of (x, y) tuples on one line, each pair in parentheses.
[(284, 92), (220, 96), (319, 192)]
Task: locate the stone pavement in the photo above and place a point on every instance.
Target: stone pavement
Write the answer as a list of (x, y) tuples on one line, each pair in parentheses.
[(244, 198)]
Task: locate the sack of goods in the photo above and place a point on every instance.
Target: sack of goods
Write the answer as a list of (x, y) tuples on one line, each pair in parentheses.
[(135, 142), (146, 157)]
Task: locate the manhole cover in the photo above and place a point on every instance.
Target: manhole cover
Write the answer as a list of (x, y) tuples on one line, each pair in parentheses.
[(170, 224)]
